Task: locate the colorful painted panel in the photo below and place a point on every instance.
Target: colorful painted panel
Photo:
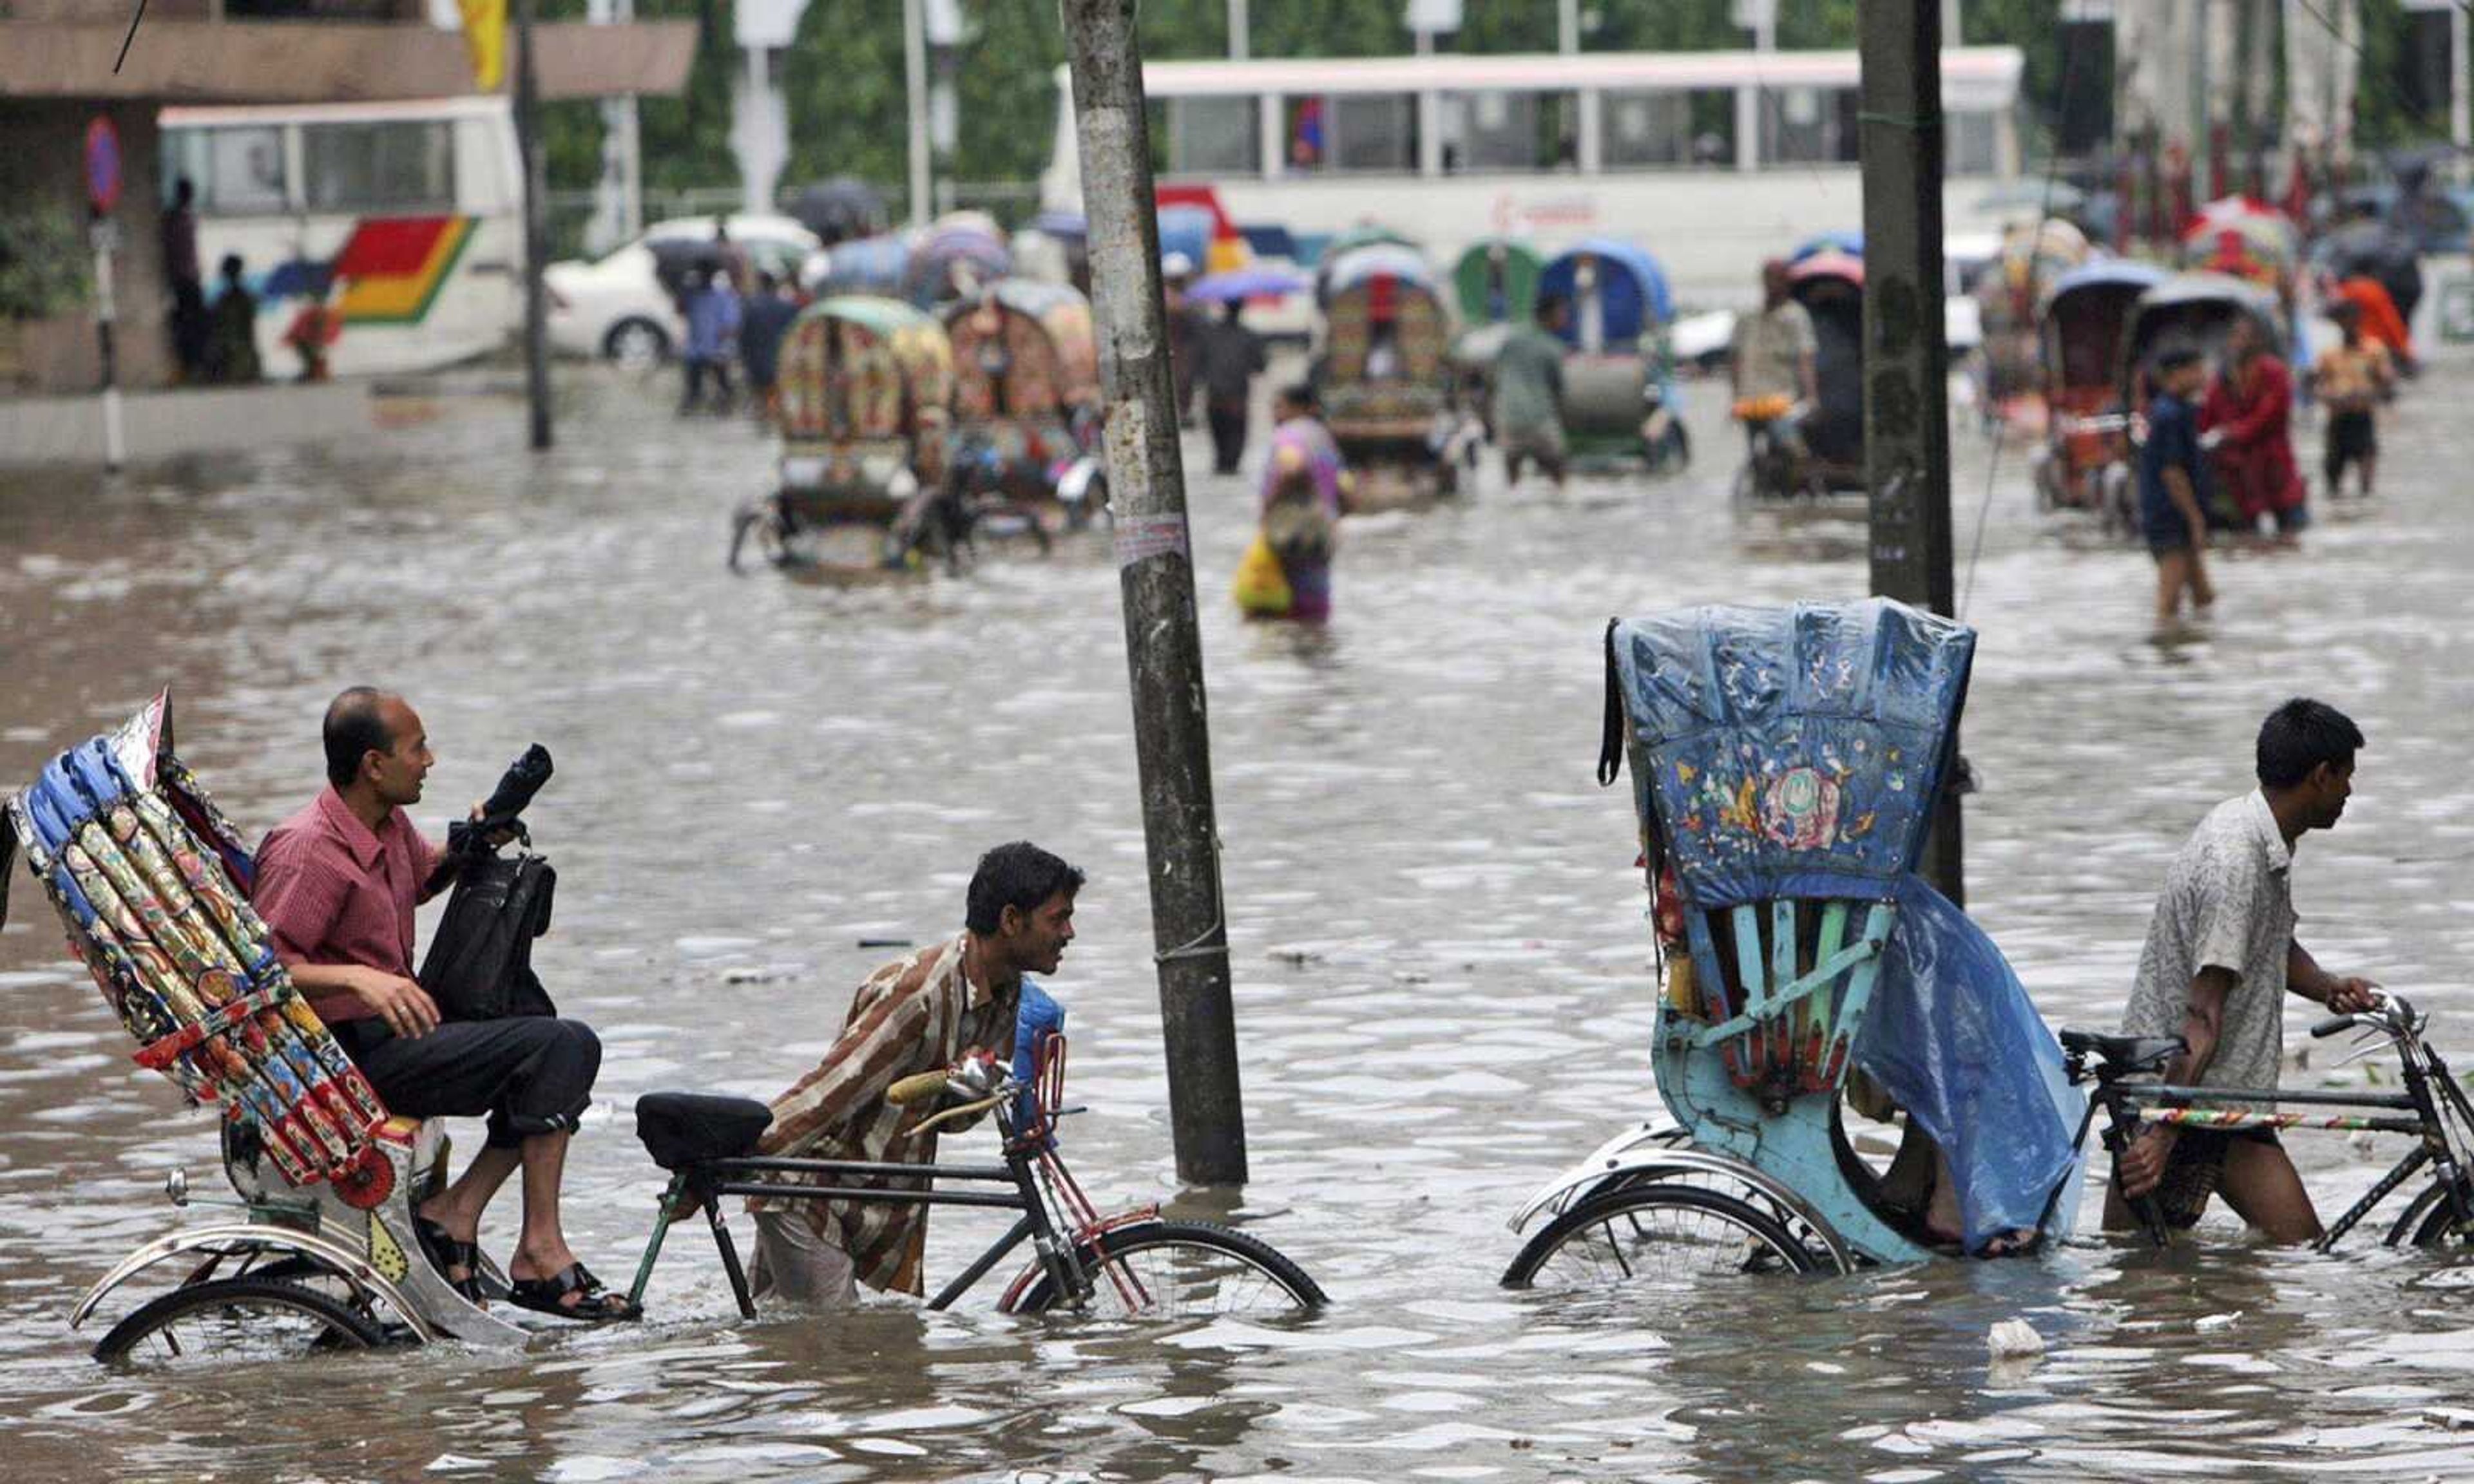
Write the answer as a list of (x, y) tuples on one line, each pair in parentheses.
[(1790, 751)]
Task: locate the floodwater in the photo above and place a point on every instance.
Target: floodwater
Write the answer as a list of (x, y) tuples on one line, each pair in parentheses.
[(1440, 960)]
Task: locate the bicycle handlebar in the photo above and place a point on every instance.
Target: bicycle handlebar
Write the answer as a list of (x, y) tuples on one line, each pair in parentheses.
[(2333, 1025)]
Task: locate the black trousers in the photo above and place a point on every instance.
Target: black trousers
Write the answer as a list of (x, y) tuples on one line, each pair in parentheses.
[(1228, 437), (527, 1074)]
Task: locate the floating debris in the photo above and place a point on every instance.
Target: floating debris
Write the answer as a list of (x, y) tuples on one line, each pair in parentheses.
[(2212, 1323), (2013, 1339)]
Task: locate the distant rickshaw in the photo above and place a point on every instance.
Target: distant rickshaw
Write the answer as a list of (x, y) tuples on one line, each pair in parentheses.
[(1496, 281), (2197, 309), (1831, 287), (1618, 405), (1384, 378), (2082, 325), (864, 383), (2007, 296), (1026, 401)]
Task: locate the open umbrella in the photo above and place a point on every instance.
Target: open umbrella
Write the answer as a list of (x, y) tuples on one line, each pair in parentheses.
[(1242, 283), (839, 210)]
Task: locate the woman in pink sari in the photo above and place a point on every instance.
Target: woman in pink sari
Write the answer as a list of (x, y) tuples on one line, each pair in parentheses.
[(2245, 421)]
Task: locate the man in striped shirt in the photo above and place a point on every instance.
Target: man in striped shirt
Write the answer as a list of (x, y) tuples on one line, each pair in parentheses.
[(920, 1013)]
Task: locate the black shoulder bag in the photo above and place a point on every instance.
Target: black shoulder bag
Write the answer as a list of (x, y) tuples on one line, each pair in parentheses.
[(481, 964)]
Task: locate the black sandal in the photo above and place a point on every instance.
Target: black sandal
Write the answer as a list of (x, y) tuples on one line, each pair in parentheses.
[(595, 1304), (445, 1249)]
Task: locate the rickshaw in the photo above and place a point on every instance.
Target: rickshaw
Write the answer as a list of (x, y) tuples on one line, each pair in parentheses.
[(1497, 281), (2084, 462), (1787, 764), (2199, 309), (1383, 375), (151, 881), (1341, 244), (1026, 402), (1618, 403), (1830, 285), (2007, 299), (319, 1255), (2258, 243), (864, 384)]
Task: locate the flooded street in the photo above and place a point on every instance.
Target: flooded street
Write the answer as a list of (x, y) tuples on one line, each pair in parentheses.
[(1443, 990)]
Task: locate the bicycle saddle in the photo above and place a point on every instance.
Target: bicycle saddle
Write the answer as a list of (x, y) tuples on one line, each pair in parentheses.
[(688, 1128), (2123, 1053)]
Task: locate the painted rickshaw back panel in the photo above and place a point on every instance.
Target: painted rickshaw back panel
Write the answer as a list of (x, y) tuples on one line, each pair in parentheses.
[(865, 383), (1790, 751), (1025, 354), (1383, 299)]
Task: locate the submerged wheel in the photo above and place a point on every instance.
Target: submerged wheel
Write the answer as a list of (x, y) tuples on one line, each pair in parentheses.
[(2429, 1220), (1178, 1270), (1655, 1234), (236, 1319)]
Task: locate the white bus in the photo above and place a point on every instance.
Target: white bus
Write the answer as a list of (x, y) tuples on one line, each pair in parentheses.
[(1710, 161), (404, 219)]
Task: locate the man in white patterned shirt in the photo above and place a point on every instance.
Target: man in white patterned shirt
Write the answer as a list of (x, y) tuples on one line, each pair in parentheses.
[(2220, 958)]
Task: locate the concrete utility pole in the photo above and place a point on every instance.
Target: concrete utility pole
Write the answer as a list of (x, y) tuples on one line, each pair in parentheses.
[(536, 240), (1155, 573), (914, 76), (1906, 354)]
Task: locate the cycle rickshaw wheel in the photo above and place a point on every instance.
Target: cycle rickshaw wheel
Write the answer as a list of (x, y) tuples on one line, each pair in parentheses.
[(1656, 1234), (1180, 1270), (236, 1319)]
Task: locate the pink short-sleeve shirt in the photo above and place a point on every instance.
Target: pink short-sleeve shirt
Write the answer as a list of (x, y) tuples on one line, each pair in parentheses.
[(333, 891)]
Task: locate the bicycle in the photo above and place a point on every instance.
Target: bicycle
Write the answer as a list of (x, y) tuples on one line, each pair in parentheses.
[(2441, 1118), (1134, 1263)]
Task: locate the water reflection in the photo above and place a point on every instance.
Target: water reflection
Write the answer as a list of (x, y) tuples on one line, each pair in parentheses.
[(1441, 959)]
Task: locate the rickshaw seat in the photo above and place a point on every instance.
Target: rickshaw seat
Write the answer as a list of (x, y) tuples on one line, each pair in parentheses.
[(1791, 982), (2123, 1053), (688, 1128)]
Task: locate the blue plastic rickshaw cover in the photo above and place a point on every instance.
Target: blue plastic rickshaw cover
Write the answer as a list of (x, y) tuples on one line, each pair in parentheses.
[(1955, 1039), (1789, 752)]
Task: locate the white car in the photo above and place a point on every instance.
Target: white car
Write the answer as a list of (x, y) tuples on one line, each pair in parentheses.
[(619, 307)]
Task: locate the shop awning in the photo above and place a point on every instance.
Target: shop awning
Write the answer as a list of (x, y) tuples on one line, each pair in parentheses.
[(302, 61)]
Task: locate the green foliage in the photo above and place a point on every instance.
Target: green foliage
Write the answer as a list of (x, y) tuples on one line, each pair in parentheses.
[(842, 83), (42, 261)]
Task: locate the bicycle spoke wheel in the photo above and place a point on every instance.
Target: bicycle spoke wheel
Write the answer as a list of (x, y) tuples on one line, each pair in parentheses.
[(1180, 1270), (1653, 1236), (236, 1319)]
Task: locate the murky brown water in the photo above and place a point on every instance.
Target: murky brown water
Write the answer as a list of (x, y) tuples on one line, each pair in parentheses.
[(1441, 965)]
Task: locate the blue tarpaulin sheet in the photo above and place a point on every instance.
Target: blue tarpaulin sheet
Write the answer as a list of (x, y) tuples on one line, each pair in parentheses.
[(1953, 1037)]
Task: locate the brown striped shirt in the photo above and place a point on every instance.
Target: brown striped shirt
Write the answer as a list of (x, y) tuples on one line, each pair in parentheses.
[(917, 1014)]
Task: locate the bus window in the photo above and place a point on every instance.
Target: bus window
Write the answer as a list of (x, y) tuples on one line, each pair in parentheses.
[(1354, 131), (1214, 136), (1809, 126), (1516, 132), (406, 167), (237, 171), (1639, 129), (1973, 144)]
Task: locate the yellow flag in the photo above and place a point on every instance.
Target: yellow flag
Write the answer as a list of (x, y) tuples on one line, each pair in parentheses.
[(485, 36)]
